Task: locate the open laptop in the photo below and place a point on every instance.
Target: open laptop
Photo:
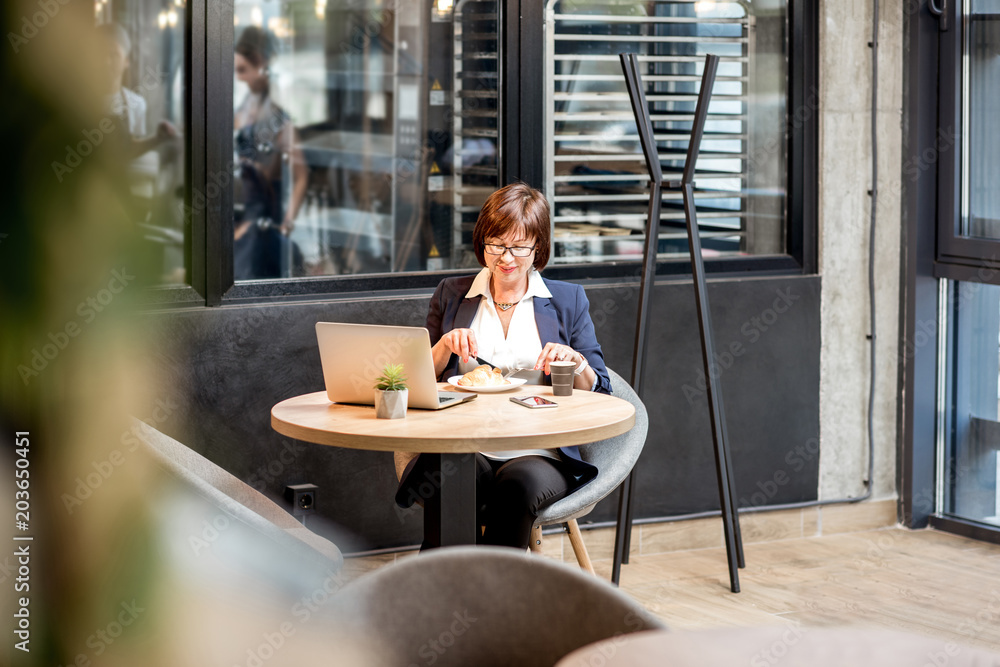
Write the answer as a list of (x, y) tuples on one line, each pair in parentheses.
[(353, 355)]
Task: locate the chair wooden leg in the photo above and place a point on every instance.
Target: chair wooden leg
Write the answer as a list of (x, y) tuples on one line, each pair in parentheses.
[(579, 548), (535, 543)]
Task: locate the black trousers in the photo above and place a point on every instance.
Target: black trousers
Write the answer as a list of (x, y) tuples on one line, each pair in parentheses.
[(509, 495)]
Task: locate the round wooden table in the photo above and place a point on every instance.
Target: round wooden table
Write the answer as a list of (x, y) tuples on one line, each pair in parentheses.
[(491, 422), (788, 646)]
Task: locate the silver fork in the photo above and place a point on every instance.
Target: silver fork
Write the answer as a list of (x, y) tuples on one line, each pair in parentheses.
[(512, 371)]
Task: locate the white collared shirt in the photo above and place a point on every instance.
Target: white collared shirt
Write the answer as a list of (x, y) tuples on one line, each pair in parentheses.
[(522, 344), (131, 105), (520, 347)]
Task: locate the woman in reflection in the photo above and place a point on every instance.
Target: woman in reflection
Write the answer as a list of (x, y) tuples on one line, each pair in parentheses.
[(510, 316), (267, 148)]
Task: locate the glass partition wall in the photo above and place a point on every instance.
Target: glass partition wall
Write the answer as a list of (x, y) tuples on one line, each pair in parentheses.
[(386, 139), (145, 48), (364, 134), (596, 178)]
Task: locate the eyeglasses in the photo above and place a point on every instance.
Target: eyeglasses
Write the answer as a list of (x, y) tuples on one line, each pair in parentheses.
[(515, 250)]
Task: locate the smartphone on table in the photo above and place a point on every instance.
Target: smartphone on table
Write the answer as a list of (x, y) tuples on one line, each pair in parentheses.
[(534, 401)]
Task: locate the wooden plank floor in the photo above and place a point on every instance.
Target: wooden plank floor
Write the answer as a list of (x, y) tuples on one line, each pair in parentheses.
[(925, 582)]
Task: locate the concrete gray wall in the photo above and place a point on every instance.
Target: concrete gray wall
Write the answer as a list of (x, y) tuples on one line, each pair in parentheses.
[(845, 169)]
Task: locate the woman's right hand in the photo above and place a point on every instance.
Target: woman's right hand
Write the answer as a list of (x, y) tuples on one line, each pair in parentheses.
[(461, 342)]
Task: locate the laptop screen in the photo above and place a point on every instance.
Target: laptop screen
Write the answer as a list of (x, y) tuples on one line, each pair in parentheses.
[(353, 355)]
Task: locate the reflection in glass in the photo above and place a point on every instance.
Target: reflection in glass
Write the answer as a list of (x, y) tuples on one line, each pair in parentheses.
[(268, 156), (144, 49), (971, 431), (981, 108), (364, 141), (595, 172)]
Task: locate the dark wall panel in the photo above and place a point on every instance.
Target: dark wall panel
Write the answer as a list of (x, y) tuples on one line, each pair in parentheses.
[(225, 367), (767, 360)]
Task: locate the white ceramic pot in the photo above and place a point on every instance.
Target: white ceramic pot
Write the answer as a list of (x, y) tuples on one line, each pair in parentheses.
[(391, 404)]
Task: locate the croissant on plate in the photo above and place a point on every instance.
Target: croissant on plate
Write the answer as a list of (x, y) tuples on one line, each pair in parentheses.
[(483, 376)]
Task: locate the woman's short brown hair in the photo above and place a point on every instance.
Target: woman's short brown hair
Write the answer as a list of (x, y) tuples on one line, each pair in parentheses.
[(256, 45), (516, 207)]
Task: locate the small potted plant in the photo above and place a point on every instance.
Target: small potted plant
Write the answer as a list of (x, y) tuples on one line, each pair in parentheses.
[(391, 393)]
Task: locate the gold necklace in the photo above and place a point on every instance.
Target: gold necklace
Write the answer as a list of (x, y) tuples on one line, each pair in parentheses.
[(504, 306)]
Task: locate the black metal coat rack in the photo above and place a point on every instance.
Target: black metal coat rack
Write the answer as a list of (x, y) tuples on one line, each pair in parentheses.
[(720, 439)]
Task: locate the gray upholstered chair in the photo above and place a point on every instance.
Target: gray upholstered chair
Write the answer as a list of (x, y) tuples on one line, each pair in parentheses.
[(484, 606), (614, 459), (235, 498)]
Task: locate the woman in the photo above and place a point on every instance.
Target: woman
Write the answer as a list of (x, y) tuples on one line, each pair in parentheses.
[(265, 139), (510, 316)]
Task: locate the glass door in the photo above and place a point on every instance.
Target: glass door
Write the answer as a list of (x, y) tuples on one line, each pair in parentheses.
[(969, 429), (968, 432)]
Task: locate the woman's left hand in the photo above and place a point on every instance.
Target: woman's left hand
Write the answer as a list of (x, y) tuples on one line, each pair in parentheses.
[(557, 352)]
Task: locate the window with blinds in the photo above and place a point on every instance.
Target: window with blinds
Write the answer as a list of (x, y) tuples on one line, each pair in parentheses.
[(476, 130), (595, 175)]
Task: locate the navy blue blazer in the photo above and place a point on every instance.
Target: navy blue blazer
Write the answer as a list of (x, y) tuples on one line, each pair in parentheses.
[(563, 319)]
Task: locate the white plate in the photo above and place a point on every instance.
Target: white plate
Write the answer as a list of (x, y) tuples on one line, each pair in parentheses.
[(493, 389)]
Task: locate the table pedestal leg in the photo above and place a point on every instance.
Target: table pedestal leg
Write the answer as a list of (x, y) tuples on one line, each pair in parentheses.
[(454, 506)]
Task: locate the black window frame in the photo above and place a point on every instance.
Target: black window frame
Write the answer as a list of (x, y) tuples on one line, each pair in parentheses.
[(932, 249), (958, 257), (208, 255)]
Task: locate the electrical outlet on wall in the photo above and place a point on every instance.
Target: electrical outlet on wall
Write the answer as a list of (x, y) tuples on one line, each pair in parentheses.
[(302, 498)]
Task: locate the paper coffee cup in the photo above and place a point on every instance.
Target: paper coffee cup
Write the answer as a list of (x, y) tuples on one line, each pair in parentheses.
[(562, 377)]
